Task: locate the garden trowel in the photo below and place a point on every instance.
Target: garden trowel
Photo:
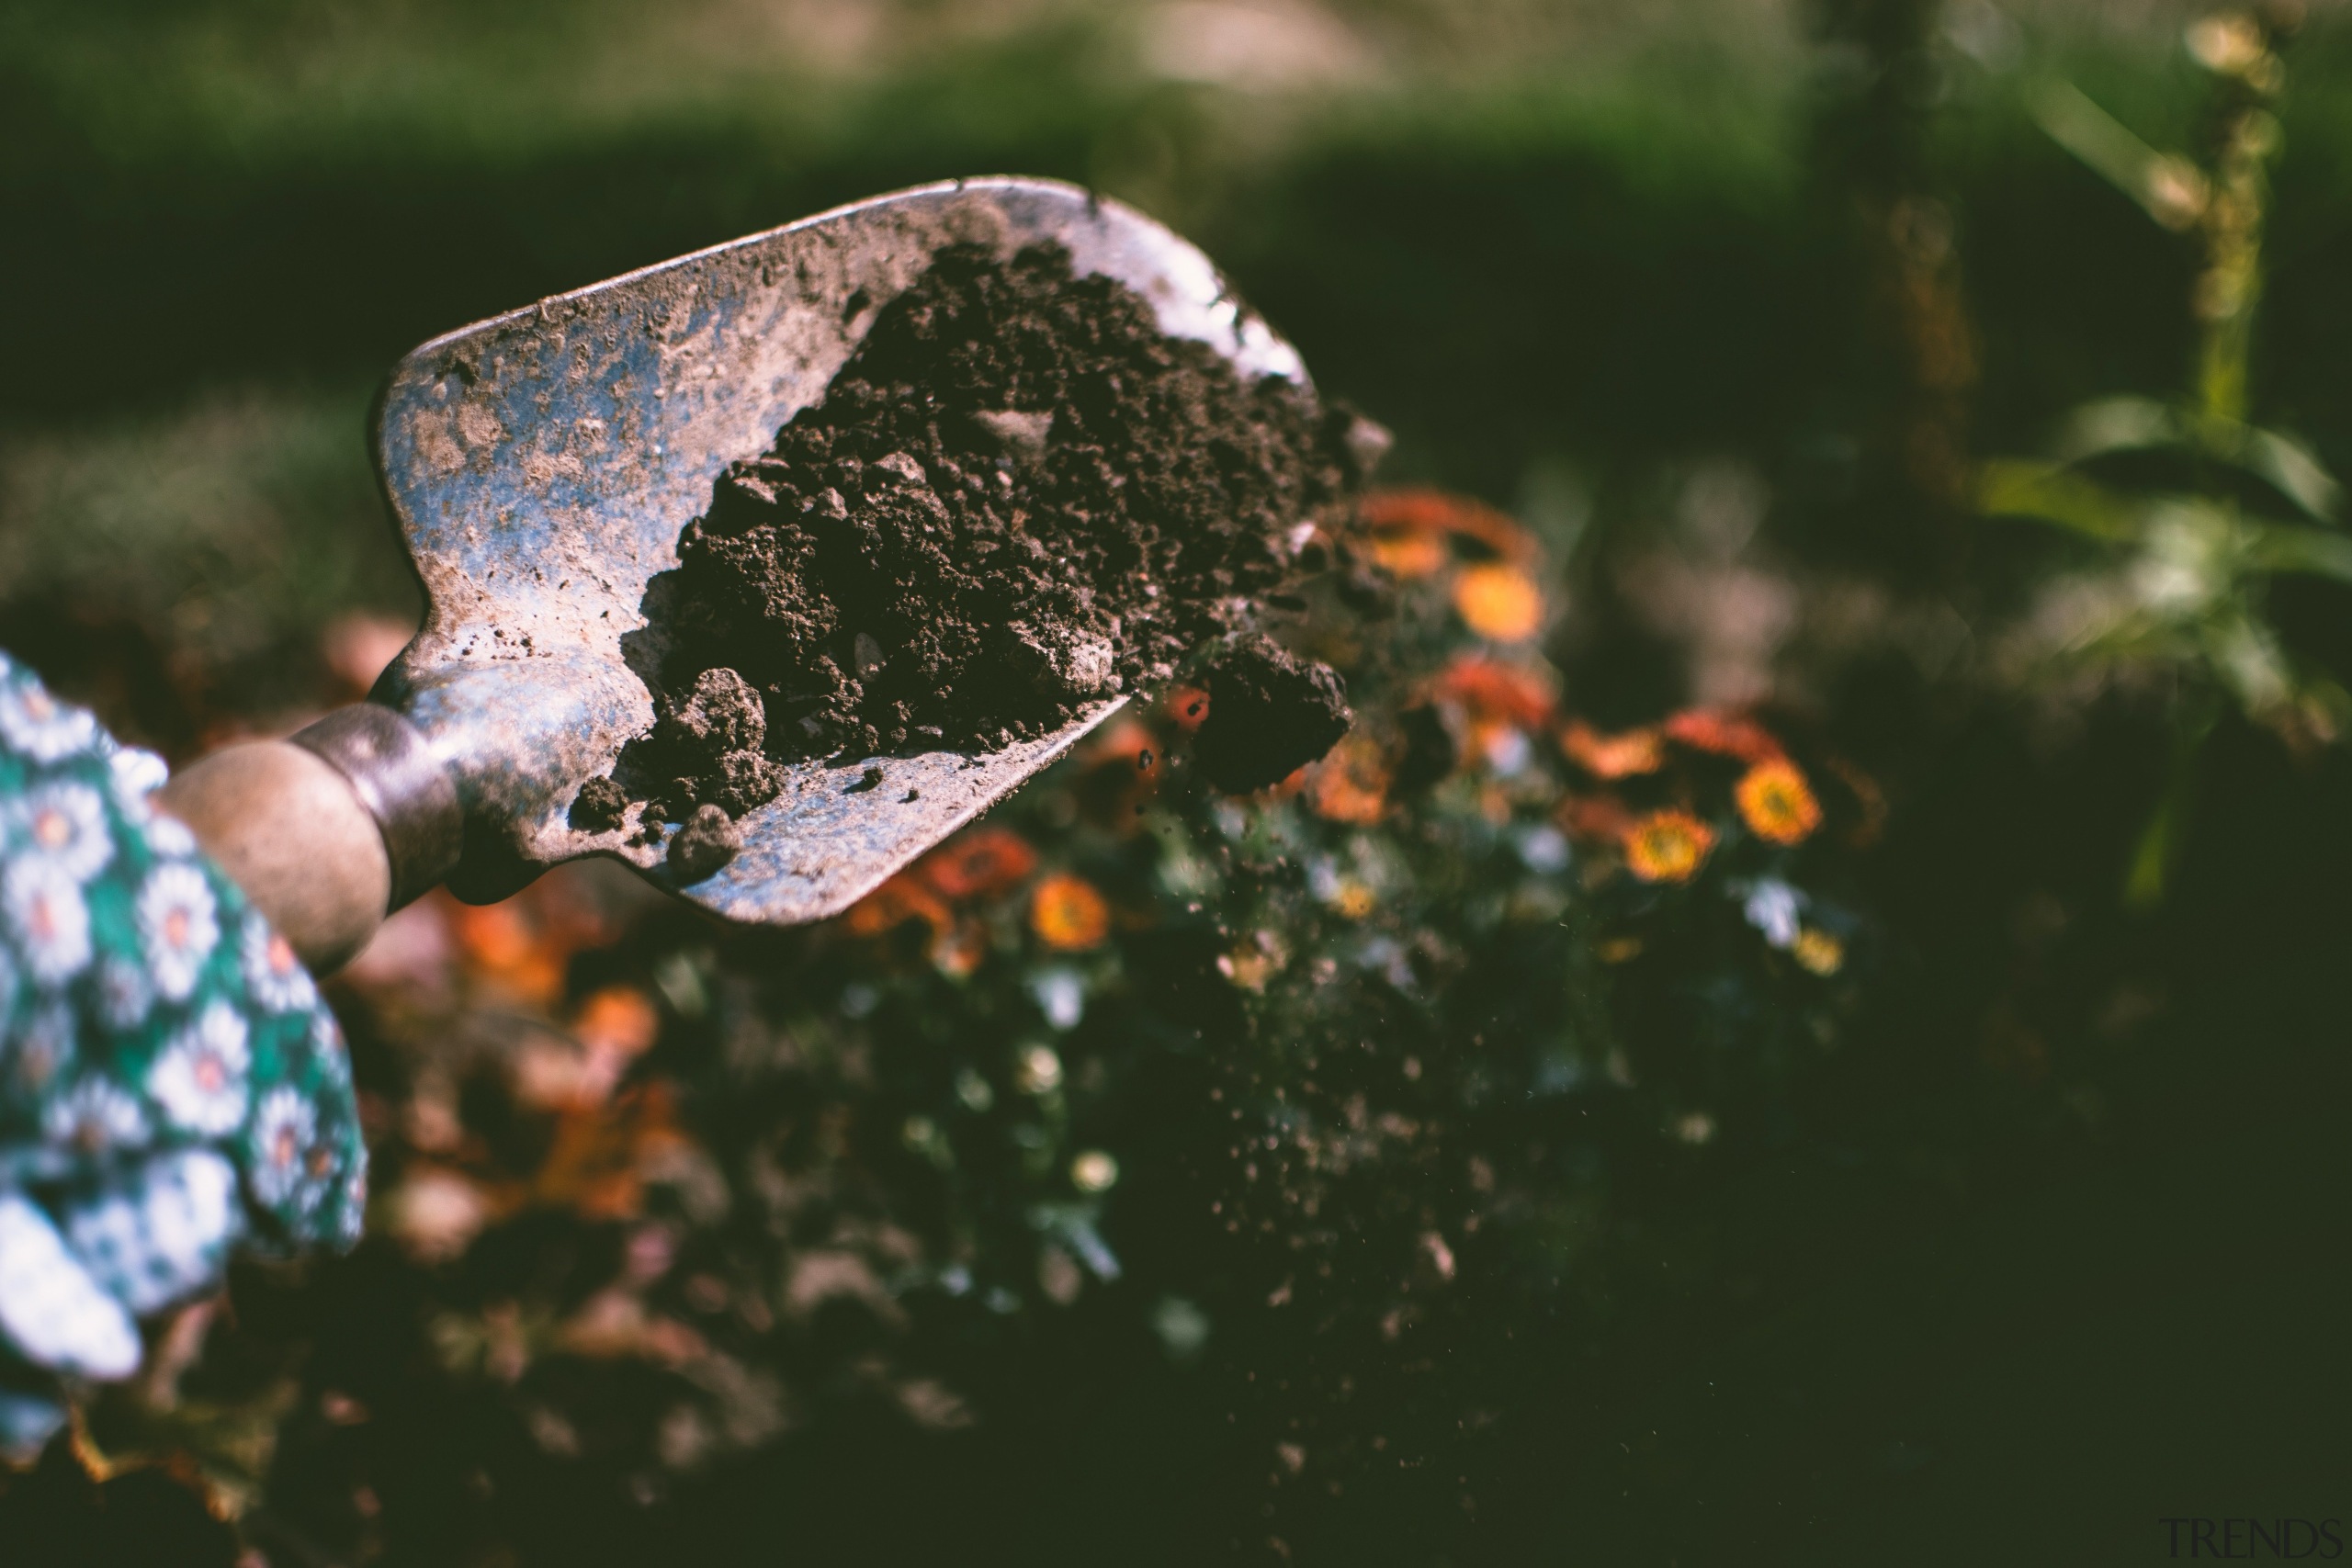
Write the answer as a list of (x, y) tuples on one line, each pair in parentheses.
[(541, 466)]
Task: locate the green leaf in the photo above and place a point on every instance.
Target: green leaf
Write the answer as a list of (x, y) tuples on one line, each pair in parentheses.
[(2118, 425), (2282, 547), (2292, 469), (2050, 493), (2172, 190)]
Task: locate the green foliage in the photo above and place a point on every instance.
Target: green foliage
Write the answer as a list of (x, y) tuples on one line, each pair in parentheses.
[(2196, 510)]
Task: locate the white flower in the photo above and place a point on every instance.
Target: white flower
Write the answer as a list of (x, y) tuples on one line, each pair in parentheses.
[(1772, 908), (199, 1077), (124, 995), (51, 1312), (137, 777), (40, 727), (94, 1116), (328, 1050), (274, 977), (1543, 849), (1061, 996), (177, 927), (159, 1234), (280, 1146), (44, 912), (43, 1050), (169, 837), (64, 823)]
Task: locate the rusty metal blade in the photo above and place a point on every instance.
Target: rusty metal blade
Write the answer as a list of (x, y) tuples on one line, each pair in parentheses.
[(541, 465)]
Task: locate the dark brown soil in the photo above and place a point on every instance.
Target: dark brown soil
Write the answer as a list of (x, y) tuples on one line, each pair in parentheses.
[(1270, 714), (1018, 497)]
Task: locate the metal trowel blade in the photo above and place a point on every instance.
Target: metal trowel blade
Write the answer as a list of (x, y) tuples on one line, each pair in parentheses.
[(541, 465)]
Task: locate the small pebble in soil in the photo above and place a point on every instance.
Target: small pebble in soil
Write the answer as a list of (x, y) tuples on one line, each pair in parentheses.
[(705, 845), (601, 808)]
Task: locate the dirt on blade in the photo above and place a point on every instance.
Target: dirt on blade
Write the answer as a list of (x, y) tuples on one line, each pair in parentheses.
[(1017, 498)]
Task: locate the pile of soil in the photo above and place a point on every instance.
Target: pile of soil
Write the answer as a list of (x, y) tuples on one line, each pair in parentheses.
[(1017, 498)]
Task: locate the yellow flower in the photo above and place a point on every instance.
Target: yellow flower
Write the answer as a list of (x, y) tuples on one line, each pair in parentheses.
[(1067, 913), (1776, 801), (1668, 846), (1498, 601), (1093, 1171), (1354, 900), (1819, 952)]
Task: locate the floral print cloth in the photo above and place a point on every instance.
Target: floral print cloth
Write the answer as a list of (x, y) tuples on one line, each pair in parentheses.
[(171, 1086)]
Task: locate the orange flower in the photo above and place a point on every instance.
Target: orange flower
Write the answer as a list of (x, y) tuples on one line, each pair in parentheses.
[(1593, 817), (1067, 913), (1498, 601), (977, 863), (1623, 756), (1125, 765), (1725, 734), (1776, 801), (1668, 846), (1394, 514), (508, 949), (618, 1020), (1351, 784), (961, 951), (596, 1162), (1490, 689), (1185, 707), (1408, 555), (890, 906)]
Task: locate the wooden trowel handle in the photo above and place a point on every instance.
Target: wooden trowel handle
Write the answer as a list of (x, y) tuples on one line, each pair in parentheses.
[(327, 831)]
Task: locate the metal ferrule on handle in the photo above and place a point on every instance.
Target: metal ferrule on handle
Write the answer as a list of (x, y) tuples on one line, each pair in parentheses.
[(392, 771)]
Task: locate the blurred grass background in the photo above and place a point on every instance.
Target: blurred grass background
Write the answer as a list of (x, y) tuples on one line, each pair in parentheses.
[(1521, 230)]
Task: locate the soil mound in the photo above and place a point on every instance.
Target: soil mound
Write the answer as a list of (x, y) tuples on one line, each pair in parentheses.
[(1018, 497)]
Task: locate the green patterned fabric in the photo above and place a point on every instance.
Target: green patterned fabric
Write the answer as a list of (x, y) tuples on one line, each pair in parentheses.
[(171, 1086)]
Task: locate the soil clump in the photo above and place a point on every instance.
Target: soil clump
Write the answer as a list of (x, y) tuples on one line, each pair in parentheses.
[(1270, 714), (1017, 498)]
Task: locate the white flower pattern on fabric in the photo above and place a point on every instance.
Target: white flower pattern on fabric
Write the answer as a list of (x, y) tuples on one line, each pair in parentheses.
[(177, 927), (136, 1167), (95, 1117), (327, 1049), (280, 1149), (153, 1240), (38, 725), (50, 1310), (64, 823), (169, 838), (42, 1051), (199, 1077), (137, 774), (124, 996), (274, 975), (44, 911)]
